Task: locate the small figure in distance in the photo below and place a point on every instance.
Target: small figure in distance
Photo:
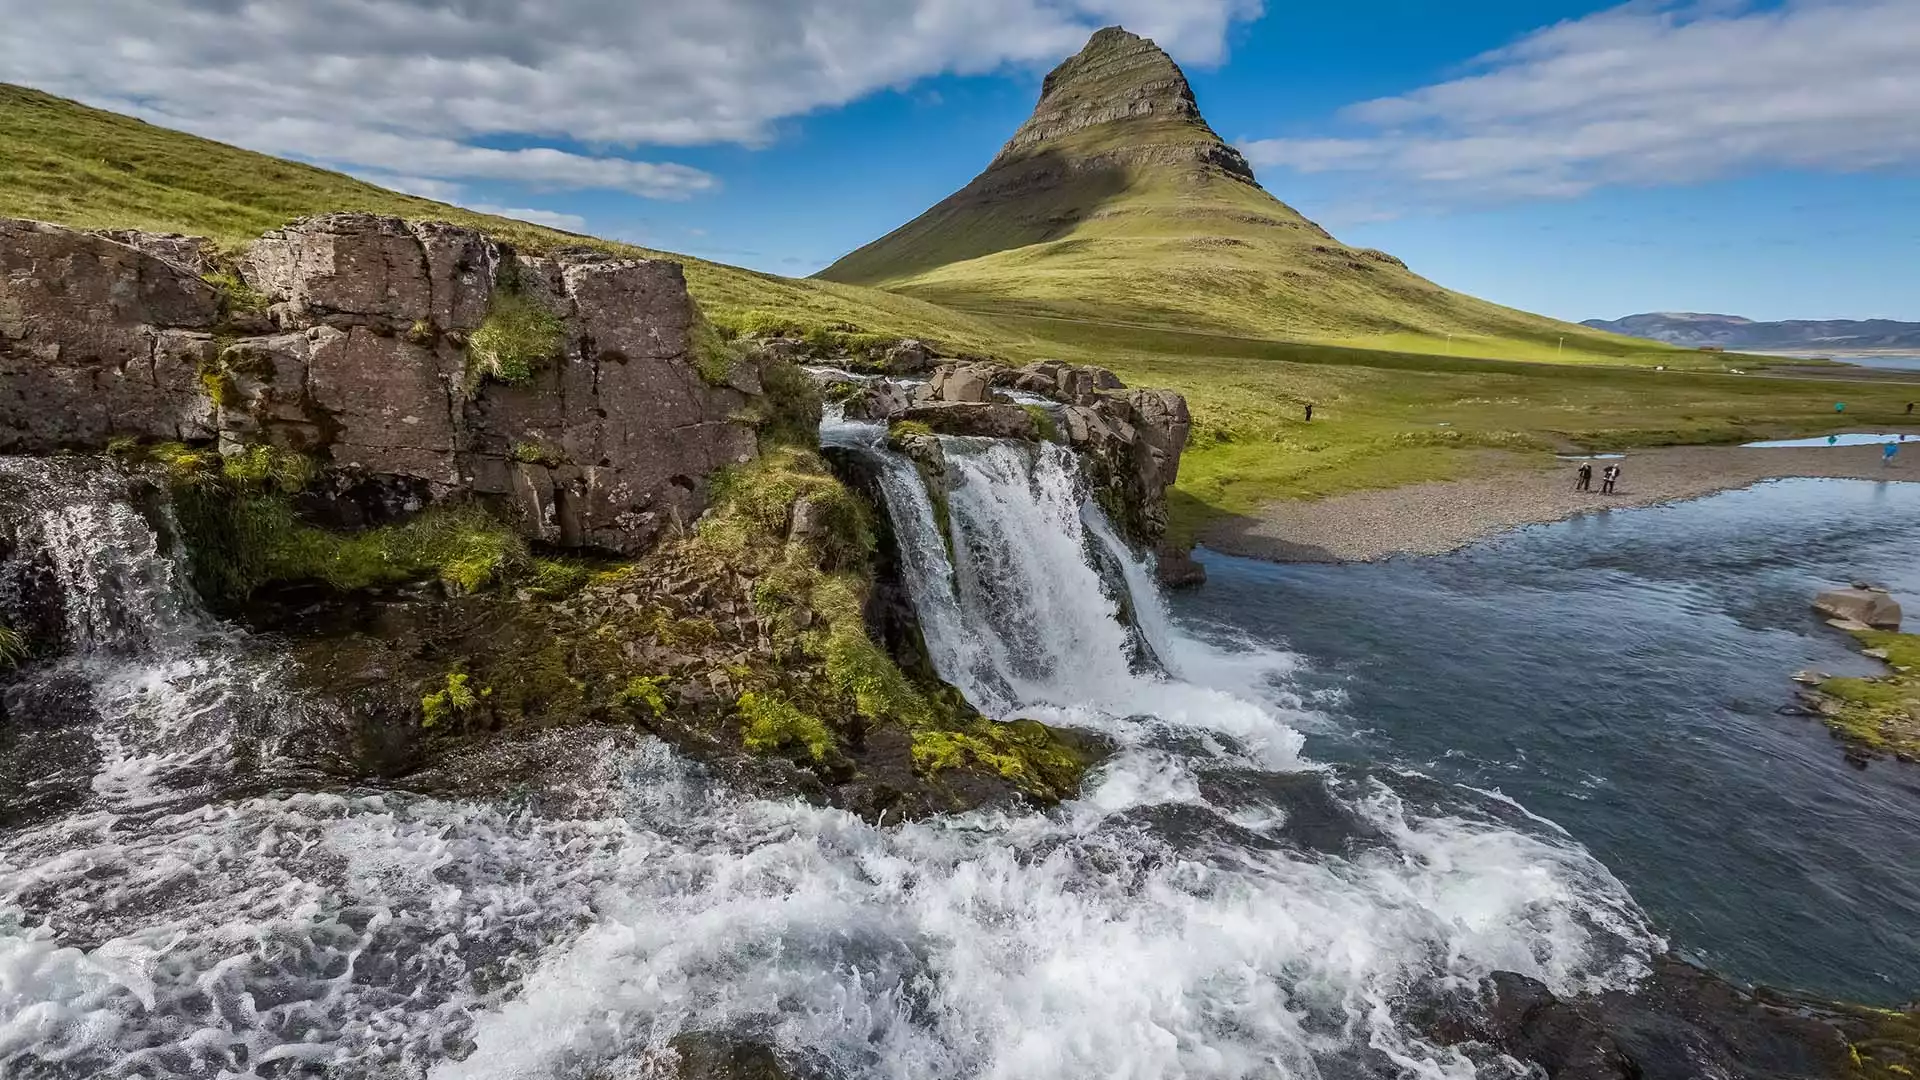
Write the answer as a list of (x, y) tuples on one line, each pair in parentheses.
[(1833, 440), (1909, 408), (1886, 454), (1607, 479), (1585, 481), (1310, 412)]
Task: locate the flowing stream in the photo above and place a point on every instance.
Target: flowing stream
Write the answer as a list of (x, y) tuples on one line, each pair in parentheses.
[(181, 895)]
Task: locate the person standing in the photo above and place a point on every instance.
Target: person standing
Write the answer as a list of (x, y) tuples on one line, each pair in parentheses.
[(1310, 412), (1608, 478), (1909, 408), (1886, 454), (1585, 477)]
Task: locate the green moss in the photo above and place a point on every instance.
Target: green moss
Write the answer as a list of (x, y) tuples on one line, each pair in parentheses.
[(774, 725), (788, 410), (423, 332), (1043, 422), (13, 647), (1879, 715), (271, 468), (714, 355), (537, 453), (517, 336), (456, 701), (236, 296), (645, 692), (1025, 752), (755, 504), (220, 389), (557, 579), (900, 429)]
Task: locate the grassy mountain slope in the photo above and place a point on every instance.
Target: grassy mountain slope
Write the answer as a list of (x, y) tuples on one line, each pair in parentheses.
[(64, 162), (1117, 203)]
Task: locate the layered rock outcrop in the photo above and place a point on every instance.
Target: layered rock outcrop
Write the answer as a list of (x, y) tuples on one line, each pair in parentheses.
[(418, 361)]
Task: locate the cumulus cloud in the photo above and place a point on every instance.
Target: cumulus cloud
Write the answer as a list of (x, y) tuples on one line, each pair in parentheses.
[(1648, 93), (558, 94)]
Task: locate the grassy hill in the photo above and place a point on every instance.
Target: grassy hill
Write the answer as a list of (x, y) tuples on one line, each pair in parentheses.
[(64, 162), (1117, 203), (1396, 410)]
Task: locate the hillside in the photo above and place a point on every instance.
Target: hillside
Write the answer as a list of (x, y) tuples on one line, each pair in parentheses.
[(1117, 202), (1733, 332), (64, 162)]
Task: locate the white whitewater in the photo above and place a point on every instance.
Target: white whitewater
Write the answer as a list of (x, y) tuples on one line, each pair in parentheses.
[(1166, 923)]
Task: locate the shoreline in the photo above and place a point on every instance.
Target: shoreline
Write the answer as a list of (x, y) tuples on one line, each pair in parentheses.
[(1440, 516)]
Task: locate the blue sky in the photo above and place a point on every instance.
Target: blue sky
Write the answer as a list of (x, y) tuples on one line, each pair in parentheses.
[(1759, 157)]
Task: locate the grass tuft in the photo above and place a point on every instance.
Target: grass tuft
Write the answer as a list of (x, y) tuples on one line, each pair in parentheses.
[(518, 335)]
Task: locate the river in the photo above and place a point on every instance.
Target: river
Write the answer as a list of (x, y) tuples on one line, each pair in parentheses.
[(1334, 794)]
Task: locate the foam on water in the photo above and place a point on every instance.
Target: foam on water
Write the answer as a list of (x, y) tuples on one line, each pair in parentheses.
[(1167, 922)]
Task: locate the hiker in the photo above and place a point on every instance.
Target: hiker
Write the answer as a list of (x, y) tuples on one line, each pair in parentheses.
[(1585, 483), (1310, 412), (1607, 478), (1909, 408), (1886, 454)]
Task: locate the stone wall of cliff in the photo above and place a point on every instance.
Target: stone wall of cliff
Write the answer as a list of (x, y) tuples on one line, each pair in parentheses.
[(577, 393)]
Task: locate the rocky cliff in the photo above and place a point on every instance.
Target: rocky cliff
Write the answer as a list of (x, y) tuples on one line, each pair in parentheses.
[(577, 393)]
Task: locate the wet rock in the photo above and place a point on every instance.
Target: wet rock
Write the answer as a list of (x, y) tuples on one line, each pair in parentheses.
[(908, 357), (1867, 605), (1176, 568), (986, 419), (879, 401), (1682, 1023), (971, 382), (709, 1055)]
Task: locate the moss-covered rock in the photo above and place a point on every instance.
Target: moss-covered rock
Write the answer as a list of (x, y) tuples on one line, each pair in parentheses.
[(1877, 717), (744, 643)]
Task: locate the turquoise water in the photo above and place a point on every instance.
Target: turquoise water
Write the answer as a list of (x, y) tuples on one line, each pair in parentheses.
[(1620, 675), (1851, 438)]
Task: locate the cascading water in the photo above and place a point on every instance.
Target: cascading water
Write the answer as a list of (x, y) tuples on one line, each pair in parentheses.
[(1212, 905)]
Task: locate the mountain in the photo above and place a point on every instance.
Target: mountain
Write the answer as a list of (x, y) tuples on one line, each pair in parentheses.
[(67, 163), (1733, 332), (1117, 202)]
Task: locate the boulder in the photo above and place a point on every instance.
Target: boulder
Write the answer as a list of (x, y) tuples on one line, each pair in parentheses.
[(880, 401), (1860, 604), (908, 357), (87, 342), (963, 382), (987, 419)]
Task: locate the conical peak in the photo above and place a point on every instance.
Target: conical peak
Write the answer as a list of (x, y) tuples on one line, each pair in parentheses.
[(1118, 76)]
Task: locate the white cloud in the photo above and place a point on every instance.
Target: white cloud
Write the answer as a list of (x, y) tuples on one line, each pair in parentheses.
[(1648, 93), (556, 94), (552, 219)]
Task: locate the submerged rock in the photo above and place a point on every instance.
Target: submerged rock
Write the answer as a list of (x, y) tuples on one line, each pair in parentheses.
[(1683, 1023)]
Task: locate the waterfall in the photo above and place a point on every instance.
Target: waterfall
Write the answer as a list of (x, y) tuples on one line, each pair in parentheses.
[(1213, 905), (89, 561)]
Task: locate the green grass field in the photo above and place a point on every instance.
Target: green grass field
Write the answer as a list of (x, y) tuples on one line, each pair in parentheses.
[(1392, 408)]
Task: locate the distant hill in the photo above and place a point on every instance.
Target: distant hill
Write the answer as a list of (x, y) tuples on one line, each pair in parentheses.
[(1117, 202), (1733, 332)]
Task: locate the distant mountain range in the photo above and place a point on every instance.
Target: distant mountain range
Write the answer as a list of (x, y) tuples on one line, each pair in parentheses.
[(1734, 332)]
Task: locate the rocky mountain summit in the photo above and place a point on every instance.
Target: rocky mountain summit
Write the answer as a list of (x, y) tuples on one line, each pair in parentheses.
[(1121, 76)]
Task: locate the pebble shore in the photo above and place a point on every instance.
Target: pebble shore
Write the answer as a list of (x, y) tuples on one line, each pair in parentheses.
[(1441, 516)]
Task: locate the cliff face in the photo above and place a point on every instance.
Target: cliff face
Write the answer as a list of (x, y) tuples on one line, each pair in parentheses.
[(1121, 76), (416, 362)]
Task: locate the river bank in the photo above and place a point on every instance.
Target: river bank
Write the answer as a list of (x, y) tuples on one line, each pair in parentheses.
[(1440, 516)]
